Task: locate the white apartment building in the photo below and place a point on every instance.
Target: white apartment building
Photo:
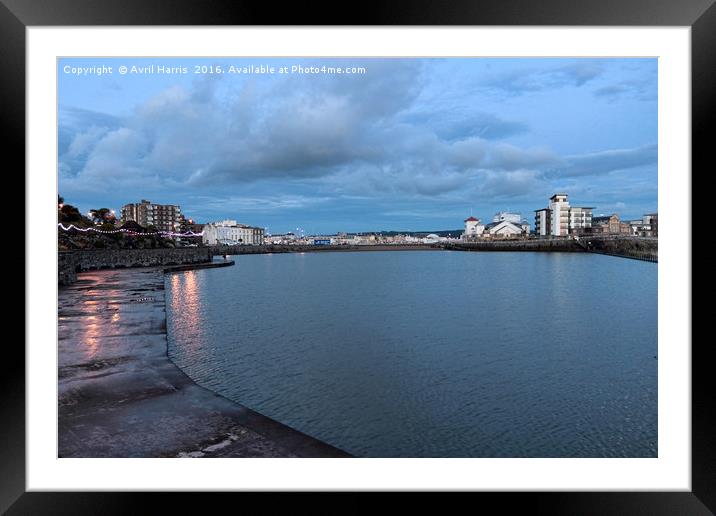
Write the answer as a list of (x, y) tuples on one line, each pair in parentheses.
[(230, 232), (561, 219)]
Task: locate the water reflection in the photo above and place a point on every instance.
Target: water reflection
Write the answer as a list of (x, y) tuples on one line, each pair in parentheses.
[(92, 330), (186, 306)]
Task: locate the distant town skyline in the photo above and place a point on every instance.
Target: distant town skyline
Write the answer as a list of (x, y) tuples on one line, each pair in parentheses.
[(411, 144)]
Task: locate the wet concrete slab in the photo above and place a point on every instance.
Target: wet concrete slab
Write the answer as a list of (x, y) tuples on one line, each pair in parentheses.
[(121, 396)]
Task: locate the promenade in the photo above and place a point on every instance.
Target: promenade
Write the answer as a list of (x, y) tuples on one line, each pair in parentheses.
[(121, 396)]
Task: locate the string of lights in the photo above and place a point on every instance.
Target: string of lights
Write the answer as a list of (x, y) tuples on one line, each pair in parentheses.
[(128, 231)]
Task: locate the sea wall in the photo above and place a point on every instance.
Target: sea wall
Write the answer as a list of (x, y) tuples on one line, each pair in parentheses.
[(119, 394), (71, 262), (284, 248), (640, 248), (537, 244), (66, 268)]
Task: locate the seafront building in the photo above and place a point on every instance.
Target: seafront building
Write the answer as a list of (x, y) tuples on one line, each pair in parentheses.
[(515, 218), (561, 219), (164, 217), (433, 238), (648, 226), (610, 225), (195, 227), (506, 229), (503, 225), (473, 228), (230, 232)]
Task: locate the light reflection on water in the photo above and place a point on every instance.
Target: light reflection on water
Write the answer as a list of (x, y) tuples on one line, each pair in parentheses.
[(429, 354), (91, 336), (186, 304)]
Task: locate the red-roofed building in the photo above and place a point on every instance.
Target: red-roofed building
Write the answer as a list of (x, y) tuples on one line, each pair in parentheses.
[(473, 228)]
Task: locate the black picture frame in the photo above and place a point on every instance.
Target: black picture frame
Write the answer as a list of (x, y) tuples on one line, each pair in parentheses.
[(699, 15)]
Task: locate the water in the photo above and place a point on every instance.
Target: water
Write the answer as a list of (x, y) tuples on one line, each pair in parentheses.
[(431, 354)]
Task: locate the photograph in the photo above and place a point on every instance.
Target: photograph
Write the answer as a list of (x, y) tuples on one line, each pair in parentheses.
[(358, 257), (417, 250)]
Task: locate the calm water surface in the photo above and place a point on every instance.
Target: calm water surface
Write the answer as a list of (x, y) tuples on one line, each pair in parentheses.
[(431, 354)]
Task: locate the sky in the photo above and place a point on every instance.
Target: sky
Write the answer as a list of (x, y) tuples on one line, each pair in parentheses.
[(405, 145)]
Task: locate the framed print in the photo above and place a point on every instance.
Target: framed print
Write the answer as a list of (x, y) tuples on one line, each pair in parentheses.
[(220, 170)]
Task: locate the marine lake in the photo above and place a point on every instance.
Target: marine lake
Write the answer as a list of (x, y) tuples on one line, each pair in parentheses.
[(431, 353)]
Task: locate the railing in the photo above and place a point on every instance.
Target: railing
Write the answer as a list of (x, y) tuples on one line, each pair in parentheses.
[(608, 236), (634, 255), (651, 254)]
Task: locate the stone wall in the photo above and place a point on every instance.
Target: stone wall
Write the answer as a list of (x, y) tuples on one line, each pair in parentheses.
[(640, 248), (549, 245), (285, 248), (66, 267), (72, 262)]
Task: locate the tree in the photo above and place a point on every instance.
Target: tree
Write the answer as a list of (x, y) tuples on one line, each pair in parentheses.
[(103, 216), (69, 214)]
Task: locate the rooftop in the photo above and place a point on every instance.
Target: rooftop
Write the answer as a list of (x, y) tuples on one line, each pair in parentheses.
[(493, 224)]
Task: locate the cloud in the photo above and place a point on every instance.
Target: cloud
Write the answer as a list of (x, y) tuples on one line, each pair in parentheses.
[(514, 183), (579, 73), (519, 81), (458, 125), (294, 129), (636, 79), (78, 132), (643, 88), (599, 163), (607, 209), (82, 142), (611, 92), (476, 153), (430, 167), (237, 203), (76, 118), (504, 156), (221, 145), (394, 181)]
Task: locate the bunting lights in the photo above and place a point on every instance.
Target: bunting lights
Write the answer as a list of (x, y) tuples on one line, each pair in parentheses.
[(128, 231)]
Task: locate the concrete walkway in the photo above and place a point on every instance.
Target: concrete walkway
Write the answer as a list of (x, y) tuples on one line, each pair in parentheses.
[(121, 396)]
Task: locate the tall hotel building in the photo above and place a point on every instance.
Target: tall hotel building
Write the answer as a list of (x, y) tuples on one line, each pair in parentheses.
[(561, 219), (164, 217)]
